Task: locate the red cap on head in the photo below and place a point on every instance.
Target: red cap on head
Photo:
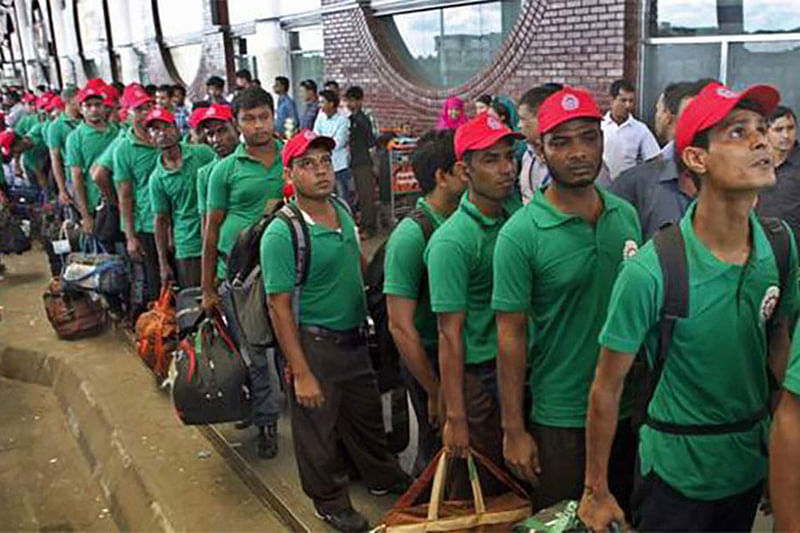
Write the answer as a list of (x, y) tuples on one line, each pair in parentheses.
[(110, 95), (480, 133), (713, 103), (215, 112), (43, 101), (28, 98), (137, 97), (96, 83), (159, 113), (6, 140), (301, 142), (55, 103), (128, 92), (89, 92), (565, 105)]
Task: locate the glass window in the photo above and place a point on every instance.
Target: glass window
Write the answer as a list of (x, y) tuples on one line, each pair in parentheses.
[(186, 60), (445, 47), (180, 18), (668, 63), (306, 45), (773, 63), (722, 17)]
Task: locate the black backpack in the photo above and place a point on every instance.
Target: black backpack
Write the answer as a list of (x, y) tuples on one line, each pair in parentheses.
[(384, 354), (671, 252)]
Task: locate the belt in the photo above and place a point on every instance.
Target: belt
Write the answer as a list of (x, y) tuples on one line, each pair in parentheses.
[(350, 336)]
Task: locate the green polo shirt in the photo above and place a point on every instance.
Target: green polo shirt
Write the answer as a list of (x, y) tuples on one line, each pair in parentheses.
[(58, 131), (715, 370), (174, 193), (24, 125), (36, 156), (404, 267), (202, 185), (134, 161), (84, 146), (792, 380), (106, 159), (560, 269), (241, 186), (459, 260), (333, 295)]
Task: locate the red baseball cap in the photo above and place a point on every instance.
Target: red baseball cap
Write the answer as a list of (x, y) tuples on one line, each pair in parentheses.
[(137, 97), (55, 103), (159, 113), (214, 112), (567, 104), (43, 101), (28, 98), (89, 92), (6, 140), (301, 142), (110, 95), (714, 103), (128, 92), (480, 133), (96, 83)]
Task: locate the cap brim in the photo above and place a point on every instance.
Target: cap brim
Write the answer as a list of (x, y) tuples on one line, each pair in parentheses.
[(494, 137), (587, 114), (766, 97), (325, 142)]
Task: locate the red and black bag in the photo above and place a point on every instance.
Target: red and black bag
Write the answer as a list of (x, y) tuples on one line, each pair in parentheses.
[(157, 334), (74, 315)]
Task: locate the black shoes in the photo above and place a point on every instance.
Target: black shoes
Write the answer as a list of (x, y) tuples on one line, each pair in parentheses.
[(268, 441), (243, 424), (345, 520), (398, 488)]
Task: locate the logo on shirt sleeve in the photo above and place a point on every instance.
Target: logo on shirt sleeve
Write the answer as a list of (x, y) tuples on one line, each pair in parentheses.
[(629, 249), (769, 302)]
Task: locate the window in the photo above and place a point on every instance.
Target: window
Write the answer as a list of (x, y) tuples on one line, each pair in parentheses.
[(722, 17), (306, 45), (445, 47), (774, 63)]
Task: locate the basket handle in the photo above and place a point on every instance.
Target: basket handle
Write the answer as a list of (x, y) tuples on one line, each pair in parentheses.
[(437, 492)]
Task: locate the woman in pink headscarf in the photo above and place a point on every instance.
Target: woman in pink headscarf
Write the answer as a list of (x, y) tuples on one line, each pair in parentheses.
[(452, 114)]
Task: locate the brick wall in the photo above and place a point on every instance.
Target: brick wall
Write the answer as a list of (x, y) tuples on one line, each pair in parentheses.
[(579, 42)]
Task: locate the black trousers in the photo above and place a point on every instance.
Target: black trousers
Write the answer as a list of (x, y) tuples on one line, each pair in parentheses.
[(428, 440), (145, 276), (659, 507), (351, 415), (562, 456), (187, 272)]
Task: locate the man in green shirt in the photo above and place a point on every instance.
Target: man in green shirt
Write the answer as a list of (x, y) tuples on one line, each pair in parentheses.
[(134, 161), (702, 449), (242, 187), (784, 451), (459, 261), (411, 321), (83, 146), (334, 392), (57, 134), (219, 131), (554, 264), (173, 195)]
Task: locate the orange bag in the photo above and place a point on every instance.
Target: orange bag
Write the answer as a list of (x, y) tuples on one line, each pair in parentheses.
[(157, 333), (498, 513)]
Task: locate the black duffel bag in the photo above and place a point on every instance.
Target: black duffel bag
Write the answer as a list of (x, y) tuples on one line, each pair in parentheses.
[(212, 383)]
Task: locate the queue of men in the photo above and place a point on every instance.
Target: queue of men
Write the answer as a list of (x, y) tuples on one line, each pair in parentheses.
[(618, 339)]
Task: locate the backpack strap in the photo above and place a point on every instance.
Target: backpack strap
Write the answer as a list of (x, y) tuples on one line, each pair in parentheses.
[(779, 239), (301, 242), (424, 221)]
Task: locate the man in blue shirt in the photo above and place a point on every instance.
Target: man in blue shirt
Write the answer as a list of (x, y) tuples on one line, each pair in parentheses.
[(309, 92), (286, 108)]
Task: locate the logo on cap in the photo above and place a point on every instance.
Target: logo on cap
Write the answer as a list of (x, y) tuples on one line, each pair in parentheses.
[(310, 135), (726, 93), (570, 102), (493, 123)]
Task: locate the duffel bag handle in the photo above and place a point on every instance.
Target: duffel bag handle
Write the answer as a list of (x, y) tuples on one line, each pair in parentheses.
[(437, 491)]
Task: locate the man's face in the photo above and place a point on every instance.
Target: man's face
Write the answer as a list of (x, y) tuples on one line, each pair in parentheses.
[(312, 173), (163, 99), (327, 107), (178, 98), (622, 106), (163, 134), (490, 172), (307, 94), (664, 121), (529, 123), (221, 135), (738, 158), (241, 84), (333, 88), (277, 88), (93, 110), (573, 152), (257, 125), (782, 133), (140, 113), (214, 92), (353, 105), (480, 107)]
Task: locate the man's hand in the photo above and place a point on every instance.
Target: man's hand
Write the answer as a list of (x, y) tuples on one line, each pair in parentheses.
[(167, 277), (598, 511), (210, 301), (455, 437), (63, 198), (522, 455), (88, 223), (135, 249), (307, 391)]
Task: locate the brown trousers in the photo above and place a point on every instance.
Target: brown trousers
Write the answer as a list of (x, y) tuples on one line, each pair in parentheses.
[(562, 457), (351, 414)]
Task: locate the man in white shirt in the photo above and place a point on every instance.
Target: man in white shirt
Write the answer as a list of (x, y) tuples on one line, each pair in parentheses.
[(330, 123), (627, 141), (533, 173)]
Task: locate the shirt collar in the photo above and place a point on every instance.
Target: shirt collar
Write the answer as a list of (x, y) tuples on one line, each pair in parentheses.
[(186, 155), (423, 204), (472, 210), (547, 216), (608, 119), (794, 156), (669, 171)]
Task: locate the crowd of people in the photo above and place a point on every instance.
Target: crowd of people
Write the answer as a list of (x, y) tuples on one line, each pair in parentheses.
[(606, 313)]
